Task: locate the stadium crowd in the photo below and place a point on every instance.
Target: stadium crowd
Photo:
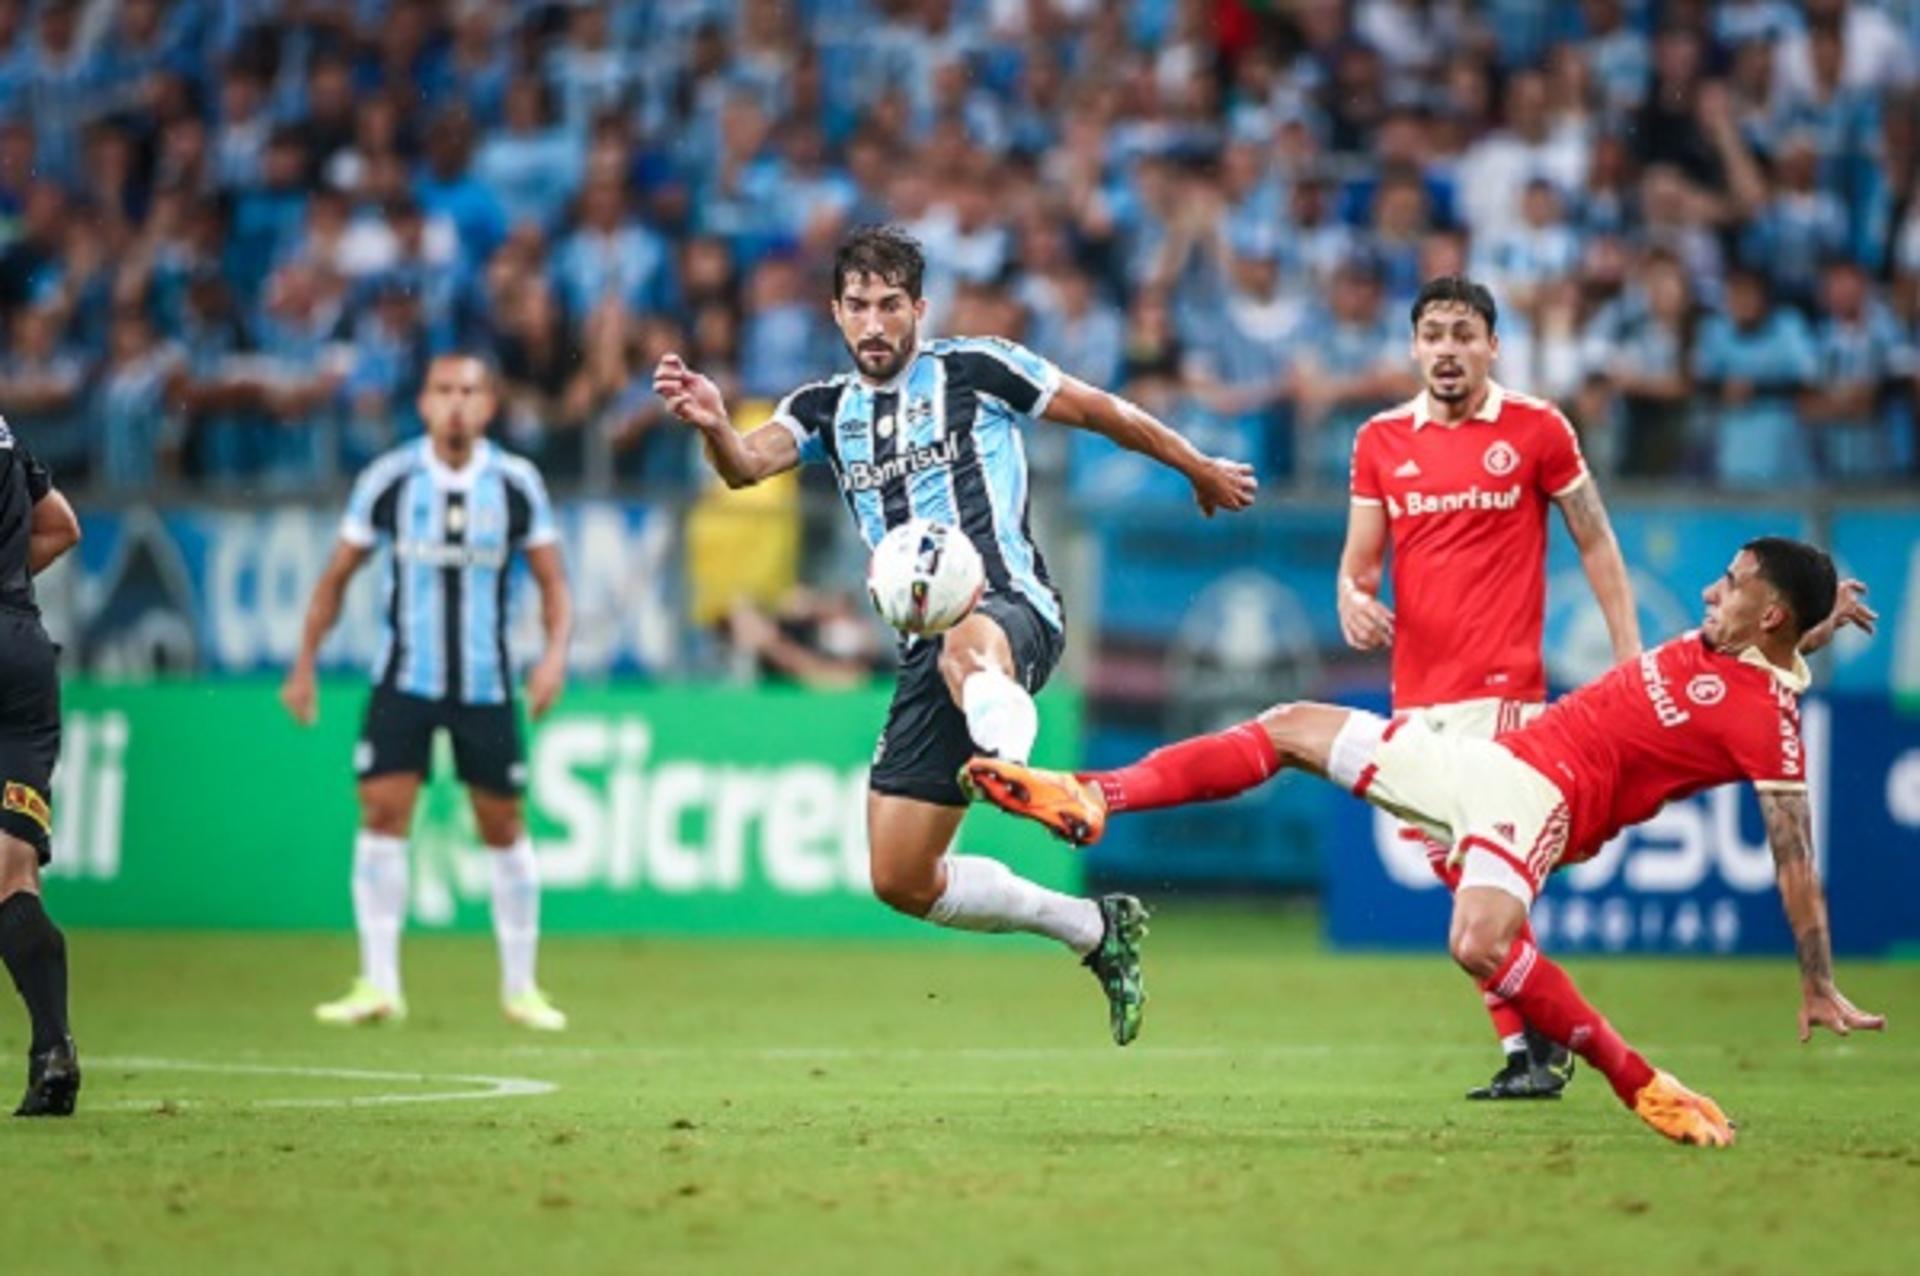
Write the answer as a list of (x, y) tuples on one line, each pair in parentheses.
[(234, 229)]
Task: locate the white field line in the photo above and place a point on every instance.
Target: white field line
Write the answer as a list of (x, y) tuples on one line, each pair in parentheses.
[(470, 1087)]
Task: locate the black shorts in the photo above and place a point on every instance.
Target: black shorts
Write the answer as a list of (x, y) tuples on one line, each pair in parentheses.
[(29, 730), (925, 741), (397, 736)]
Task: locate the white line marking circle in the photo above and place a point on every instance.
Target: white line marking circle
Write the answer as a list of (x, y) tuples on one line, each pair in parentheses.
[(472, 1087)]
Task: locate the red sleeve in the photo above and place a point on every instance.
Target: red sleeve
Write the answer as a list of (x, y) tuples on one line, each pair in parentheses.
[(1363, 480), (1765, 742), (1561, 465)]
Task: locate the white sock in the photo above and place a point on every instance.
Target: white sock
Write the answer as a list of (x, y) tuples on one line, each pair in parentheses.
[(380, 906), (984, 894), (1000, 715), (1515, 1044), (516, 914)]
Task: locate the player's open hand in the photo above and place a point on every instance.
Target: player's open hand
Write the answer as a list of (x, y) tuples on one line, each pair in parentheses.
[(1850, 608), (543, 687), (690, 396), (301, 696), (1365, 622), (1220, 484), (1830, 1009)]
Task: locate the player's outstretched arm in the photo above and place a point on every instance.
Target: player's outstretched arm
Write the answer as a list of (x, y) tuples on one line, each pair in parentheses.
[(53, 530), (1606, 570), (1365, 622), (1790, 838), (547, 677), (1218, 483), (300, 692), (741, 460), (1849, 608)]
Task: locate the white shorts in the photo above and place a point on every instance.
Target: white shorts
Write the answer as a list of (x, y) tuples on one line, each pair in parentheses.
[(1506, 823), (1482, 719)]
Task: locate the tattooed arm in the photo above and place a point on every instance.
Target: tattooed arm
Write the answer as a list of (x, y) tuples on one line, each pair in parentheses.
[(1790, 838)]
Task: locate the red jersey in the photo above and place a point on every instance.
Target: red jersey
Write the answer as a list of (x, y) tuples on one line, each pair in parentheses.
[(1681, 718), (1467, 520)]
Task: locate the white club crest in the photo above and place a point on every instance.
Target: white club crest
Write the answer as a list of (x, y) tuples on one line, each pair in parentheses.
[(1501, 459), (1706, 689)]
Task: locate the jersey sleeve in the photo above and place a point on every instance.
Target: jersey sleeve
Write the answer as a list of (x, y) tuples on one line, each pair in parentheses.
[(1010, 373), (1766, 744), (39, 478), (796, 416), (1363, 474), (1562, 467), (540, 527), (357, 524)]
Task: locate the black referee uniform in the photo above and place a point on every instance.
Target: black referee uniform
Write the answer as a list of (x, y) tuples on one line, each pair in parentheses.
[(34, 951)]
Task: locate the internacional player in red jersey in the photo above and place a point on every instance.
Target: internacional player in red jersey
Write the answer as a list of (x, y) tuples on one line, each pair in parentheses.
[(1716, 705), (1458, 482)]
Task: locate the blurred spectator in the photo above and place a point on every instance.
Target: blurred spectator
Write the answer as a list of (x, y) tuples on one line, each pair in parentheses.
[(43, 392), (1860, 406), (531, 165), (782, 344), (448, 187), (1753, 361), (1542, 250), (1495, 170), (1640, 353), (1352, 363), (611, 254), (140, 429), (1798, 227)]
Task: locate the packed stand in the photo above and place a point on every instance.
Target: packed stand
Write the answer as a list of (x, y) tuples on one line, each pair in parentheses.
[(235, 229)]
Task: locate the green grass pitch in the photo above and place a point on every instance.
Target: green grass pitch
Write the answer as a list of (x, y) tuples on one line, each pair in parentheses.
[(732, 1107)]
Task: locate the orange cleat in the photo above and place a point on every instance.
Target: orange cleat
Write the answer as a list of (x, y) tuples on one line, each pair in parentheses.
[(1682, 1115), (1073, 810)]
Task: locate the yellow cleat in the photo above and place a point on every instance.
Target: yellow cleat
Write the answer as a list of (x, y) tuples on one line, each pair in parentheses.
[(364, 1004), (531, 1009), (1682, 1115), (1074, 810)]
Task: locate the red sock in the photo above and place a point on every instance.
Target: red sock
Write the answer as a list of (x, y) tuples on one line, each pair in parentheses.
[(1507, 1019), (1205, 768), (1541, 991)]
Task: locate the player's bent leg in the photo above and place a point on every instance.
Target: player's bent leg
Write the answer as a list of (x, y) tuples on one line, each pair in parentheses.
[(1543, 992), (1204, 768), (379, 901), (501, 821), (35, 954), (914, 873), (977, 665)]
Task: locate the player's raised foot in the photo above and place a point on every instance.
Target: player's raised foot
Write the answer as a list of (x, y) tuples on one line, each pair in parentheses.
[(1071, 808), (1682, 1115), (531, 1009), (1115, 962), (53, 1082), (363, 1004)]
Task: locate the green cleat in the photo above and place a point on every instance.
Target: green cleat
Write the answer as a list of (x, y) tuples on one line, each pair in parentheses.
[(531, 1009), (1115, 962), (362, 1005)]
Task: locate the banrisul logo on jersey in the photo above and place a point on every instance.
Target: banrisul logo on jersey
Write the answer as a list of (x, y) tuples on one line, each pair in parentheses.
[(864, 476)]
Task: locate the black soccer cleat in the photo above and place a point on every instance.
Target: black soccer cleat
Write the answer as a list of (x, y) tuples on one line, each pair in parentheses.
[(53, 1082), (1115, 962), (1545, 1053)]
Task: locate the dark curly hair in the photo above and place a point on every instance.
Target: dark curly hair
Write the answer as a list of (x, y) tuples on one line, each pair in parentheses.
[(885, 252)]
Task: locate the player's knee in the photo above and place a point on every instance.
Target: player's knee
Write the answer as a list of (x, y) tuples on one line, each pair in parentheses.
[(1479, 945), (910, 889), (500, 831), (19, 868), (1283, 724)]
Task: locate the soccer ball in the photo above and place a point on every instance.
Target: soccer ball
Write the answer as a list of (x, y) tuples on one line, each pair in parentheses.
[(924, 577)]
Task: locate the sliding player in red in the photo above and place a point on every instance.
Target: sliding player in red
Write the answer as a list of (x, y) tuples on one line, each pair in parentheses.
[(1457, 483), (1713, 706)]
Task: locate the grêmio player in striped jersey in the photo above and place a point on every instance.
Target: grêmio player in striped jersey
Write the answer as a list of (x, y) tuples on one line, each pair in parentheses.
[(933, 429)]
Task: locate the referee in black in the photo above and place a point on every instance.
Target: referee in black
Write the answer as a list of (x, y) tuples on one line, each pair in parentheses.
[(36, 527)]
